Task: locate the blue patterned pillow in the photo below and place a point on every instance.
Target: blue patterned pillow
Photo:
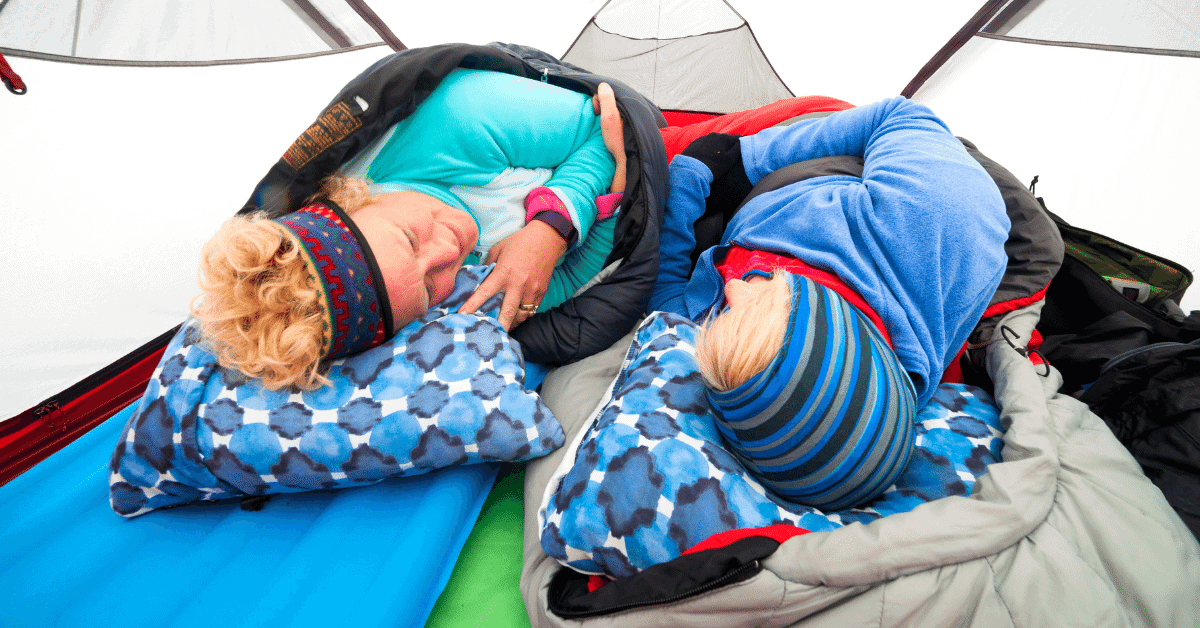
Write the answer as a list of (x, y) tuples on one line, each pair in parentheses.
[(446, 390), (651, 476)]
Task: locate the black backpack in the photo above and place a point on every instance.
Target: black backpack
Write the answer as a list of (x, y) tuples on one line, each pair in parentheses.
[(1113, 327), (1150, 398), (1109, 298)]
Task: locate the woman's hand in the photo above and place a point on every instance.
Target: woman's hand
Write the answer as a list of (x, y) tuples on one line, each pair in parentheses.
[(524, 262), (604, 104)]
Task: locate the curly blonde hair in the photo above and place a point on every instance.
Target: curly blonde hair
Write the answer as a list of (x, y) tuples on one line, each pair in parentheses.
[(260, 311), (736, 345), (350, 193)]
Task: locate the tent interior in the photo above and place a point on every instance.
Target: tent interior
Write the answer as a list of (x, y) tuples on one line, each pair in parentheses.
[(111, 265), (145, 125)]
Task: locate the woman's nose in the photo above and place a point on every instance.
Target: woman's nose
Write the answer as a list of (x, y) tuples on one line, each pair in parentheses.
[(442, 250), (441, 258)]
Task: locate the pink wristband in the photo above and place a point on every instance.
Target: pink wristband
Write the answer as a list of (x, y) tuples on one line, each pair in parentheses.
[(607, 204), (544, 199)]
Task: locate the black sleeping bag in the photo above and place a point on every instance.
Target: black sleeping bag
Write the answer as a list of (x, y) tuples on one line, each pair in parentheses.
[(392, 88)]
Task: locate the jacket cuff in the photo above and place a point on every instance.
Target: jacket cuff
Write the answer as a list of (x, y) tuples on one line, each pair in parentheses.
[(561, 225), (544, 199), (607, 204)]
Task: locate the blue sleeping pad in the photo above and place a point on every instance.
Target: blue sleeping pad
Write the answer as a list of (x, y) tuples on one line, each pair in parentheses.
[(372, 556)]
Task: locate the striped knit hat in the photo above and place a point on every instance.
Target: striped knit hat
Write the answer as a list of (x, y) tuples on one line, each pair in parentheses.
[(829, 422), (353, 300)]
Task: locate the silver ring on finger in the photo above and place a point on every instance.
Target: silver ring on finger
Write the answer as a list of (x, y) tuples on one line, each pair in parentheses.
[(530, 309)]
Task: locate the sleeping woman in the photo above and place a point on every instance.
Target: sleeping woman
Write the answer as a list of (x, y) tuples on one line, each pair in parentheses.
[(831, 305), (491, 167)]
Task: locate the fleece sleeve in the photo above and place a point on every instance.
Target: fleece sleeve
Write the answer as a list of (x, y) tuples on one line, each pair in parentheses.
[(690, 180), (476, 124), (583, 177), (543, 126), (927, 223)]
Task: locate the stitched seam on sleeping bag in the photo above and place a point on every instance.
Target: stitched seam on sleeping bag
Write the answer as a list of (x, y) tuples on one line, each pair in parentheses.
[(995, 587), (778, 603), (1146, 517), (1078, 555), (882, 601)]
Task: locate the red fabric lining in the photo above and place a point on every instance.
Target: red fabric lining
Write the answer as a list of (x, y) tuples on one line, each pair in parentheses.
[(37, 435), (1004, 307), (779, 532), (748, 122), (1035, 343), (953, 373), (595, 582), (740, 260), (684, 118)]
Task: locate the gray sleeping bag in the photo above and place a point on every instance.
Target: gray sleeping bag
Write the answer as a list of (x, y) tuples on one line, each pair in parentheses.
[(1064, 530)]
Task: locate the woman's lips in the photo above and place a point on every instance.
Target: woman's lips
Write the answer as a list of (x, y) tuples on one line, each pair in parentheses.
[(463, 234)]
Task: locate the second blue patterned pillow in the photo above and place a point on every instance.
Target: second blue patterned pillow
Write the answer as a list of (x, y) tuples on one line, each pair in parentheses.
[(650, 475)]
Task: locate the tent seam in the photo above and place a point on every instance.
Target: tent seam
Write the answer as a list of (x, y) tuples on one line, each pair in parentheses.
[(45, 56), (717, 32), (1162, 52)]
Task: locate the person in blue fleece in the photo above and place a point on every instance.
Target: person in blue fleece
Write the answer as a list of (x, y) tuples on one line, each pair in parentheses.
[(832, 305)]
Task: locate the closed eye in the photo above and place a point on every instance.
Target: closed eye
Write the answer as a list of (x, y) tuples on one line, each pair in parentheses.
[(412, 242)]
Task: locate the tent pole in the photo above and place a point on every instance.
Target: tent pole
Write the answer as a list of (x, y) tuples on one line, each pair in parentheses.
[(964, 34), (332, 35), (378, 24), (75, 37)]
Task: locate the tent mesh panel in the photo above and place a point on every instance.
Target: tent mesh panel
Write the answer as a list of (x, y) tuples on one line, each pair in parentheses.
[(667, 19), (152, 32), (717, 72), (1152, 26)]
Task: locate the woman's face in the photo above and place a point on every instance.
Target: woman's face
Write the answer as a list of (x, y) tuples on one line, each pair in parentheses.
[(419, 243)]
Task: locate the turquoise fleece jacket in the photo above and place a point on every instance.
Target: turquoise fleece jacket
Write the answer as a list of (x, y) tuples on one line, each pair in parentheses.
[(478, 126), (920, 236)]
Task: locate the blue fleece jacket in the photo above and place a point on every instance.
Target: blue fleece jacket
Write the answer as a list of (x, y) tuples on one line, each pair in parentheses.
[(920, 236)]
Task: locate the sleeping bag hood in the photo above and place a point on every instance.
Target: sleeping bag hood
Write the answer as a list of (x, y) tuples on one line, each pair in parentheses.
[(393, 88)]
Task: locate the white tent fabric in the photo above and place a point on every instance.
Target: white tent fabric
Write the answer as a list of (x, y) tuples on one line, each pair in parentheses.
[(160, 156), (114, 177), (192, 32), (1165, 25), (858, 50), (1104, 120)]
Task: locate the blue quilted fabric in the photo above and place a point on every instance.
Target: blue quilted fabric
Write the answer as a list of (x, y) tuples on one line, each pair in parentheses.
[(651, 477), (446, 390)]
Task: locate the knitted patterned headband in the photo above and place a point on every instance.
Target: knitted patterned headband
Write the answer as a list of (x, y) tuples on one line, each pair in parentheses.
[(354, 300), (829, 422)]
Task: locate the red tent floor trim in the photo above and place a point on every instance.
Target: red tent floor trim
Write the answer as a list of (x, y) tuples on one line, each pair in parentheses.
[(35, 434)]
